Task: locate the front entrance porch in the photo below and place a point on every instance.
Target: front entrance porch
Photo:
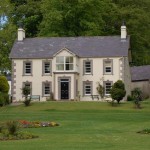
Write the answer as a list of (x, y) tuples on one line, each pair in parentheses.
[(64, 89)]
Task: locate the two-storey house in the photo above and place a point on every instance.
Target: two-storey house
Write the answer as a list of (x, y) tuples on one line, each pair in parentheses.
[(69, 67)]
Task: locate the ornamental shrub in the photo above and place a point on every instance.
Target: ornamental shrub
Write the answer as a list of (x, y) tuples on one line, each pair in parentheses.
[(137, 96), (26, 91), (4, 86), (4, 99), (130, 98), (12, 127), (118, 91), (100, 89)]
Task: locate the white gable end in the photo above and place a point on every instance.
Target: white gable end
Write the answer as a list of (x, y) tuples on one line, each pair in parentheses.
[(64, 52)]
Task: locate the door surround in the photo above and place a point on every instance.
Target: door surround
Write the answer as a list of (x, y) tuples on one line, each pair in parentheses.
[(59, 86)]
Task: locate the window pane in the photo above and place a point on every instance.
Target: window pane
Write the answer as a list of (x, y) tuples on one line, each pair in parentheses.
[(28, 68), (69, 66), (108, 66), (108, 69), (47, 89), (88, 70), (60, 59), (87, 89), (69, 59), (107, 87), (87, 67), (60, 67)]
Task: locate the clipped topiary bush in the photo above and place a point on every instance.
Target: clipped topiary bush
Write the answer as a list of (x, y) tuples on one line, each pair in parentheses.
[(26, 92), (118, 91)]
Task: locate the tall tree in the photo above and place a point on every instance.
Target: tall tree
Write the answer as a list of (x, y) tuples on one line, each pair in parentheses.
[(28, 12), (7, 37), (137, 16), (77, 18)]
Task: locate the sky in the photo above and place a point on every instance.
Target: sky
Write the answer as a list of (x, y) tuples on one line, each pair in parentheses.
[(3, 20)]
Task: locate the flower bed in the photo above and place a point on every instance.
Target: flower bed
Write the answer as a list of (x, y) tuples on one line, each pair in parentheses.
[(36, 124), (10, 130)]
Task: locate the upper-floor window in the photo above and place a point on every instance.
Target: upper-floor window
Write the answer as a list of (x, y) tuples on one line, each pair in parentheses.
[(27, 67), (64, 63), (87, 66), (108, 66), (46, 67)]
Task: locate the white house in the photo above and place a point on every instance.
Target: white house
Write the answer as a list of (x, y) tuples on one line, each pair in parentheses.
[(69, 67)]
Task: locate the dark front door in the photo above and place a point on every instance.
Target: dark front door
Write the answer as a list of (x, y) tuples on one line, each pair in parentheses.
[(64, 89)]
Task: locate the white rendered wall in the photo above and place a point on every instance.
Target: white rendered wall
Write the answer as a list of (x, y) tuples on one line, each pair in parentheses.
[(120, 72)]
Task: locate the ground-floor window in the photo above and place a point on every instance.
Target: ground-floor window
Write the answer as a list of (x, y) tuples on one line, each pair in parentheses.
[(46, 88), (28, 85), (87, 88), (107, 86)]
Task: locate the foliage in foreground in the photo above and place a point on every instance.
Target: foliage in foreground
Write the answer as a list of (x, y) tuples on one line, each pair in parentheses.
[(84, 125), (10, 130)]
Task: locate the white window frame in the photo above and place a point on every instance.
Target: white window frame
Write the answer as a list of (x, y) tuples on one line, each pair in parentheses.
[(25, 72), (108, 66), (107, 87), (46, 84), (86, 68), (49, 63), (64, 63), (87, 88)]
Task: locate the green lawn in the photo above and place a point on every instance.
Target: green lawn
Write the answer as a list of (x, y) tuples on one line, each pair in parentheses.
[(83, 126)]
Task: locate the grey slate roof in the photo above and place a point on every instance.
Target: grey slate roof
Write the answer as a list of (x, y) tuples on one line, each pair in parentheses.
[(140, 73), (97, 46)]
